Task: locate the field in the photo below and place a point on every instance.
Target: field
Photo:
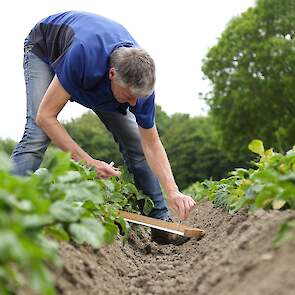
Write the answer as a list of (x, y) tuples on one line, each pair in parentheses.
[(235, 257), (59, 233)]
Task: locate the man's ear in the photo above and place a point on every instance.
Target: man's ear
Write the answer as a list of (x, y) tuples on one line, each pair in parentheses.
[(112, 73)]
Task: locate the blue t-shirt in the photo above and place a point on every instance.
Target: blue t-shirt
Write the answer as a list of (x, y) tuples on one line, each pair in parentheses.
[(77, 46)]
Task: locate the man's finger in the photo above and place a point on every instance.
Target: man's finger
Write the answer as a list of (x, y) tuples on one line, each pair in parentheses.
[(111, 171), (189, 206), (112, 165), (181, 208), (192, 203), (185, 208)]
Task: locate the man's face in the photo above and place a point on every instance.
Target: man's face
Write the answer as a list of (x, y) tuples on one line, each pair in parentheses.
[(121, 94)]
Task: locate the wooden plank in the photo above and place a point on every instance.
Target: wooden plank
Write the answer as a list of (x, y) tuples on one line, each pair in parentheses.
[(179, 229)]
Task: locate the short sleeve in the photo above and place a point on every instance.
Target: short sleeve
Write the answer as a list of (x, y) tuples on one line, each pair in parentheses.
[(144, 111), (81, 69), (71, 70)]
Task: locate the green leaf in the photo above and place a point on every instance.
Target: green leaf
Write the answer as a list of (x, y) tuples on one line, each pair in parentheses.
[(23, 205), (80, 192), (60, 163), (41, 280), (263, 200), (123, 224), (148, 206), (125, 176), (111, 232), (89, 231), (131, 188), (36, 221), (117, 197), (57, 232), (42, 172), (256, 146), (269, 153), (10, 246), (70, 176), (89, 205), (109, 185), (64, 212), (86, 173)]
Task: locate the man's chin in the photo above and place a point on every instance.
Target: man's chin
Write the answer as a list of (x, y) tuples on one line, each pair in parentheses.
[(121, 100)]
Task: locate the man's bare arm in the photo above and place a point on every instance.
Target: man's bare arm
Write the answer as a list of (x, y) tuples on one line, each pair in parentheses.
[(159, 163), (52, 103)]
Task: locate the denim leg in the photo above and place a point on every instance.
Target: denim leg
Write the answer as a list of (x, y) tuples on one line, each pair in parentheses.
[(29, 152), (125, 132)]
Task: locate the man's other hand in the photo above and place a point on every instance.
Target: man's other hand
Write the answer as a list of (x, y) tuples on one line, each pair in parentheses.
[(181, 203), (103, 169)]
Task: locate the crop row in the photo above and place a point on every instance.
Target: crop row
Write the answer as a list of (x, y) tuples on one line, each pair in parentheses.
[(270, 184), (64, 202)]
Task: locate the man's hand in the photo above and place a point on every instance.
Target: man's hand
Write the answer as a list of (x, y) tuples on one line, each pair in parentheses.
[(181, 203), (103, 169)]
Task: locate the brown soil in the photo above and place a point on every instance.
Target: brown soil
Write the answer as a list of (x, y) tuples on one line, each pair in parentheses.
[(234, 257)]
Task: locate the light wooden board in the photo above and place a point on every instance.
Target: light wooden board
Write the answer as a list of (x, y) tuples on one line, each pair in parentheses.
[(171, 227)]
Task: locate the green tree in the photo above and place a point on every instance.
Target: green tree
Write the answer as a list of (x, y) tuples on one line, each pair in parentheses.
[(190, 143), (192, 149), (253, 78), (92, 135), (162, 120)]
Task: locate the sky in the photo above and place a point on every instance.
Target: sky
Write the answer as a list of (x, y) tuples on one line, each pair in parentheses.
[(177, 34)]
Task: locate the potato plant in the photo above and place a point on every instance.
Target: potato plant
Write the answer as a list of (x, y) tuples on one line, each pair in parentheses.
[(269, 185), (63, 202)]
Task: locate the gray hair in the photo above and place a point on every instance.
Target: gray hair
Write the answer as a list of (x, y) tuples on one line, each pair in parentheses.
[(135, 69)]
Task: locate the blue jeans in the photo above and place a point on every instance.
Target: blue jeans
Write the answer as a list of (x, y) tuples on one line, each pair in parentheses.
[(29, 152)]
